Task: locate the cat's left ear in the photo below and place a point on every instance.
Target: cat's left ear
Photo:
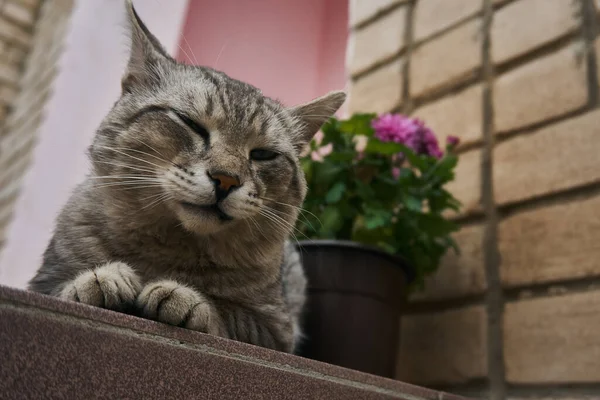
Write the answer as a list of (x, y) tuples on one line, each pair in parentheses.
[(314, 114), (146, 54)]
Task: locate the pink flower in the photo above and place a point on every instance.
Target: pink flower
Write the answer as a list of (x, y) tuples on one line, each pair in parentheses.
[(321, 152), (396, 172), (452, 141), (411, 132)]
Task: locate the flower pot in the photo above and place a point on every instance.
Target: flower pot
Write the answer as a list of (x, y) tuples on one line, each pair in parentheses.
[(355, 299)]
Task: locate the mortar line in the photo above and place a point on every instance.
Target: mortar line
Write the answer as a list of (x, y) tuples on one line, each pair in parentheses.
[(494, 296), (378, 15), (406, 102), (589, 30)]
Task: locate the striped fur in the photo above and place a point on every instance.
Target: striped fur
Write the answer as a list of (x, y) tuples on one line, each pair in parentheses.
[(130, 239)]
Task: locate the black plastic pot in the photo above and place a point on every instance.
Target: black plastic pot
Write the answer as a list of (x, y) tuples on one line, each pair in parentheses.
[(355, 298)]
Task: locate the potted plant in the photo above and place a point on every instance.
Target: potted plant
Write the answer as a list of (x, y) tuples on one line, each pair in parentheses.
[(376, 226)]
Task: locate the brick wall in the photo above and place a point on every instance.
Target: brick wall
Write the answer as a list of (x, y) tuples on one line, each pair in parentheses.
[(517, 314), (31, 33)]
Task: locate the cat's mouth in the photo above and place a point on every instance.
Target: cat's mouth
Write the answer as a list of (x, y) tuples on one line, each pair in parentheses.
[(212, 209)]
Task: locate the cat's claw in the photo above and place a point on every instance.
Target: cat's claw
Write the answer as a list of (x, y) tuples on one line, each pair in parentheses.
[(114, 286), (175, 304)]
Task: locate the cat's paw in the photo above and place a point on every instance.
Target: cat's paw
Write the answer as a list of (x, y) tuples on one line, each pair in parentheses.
[(114, 285), (175, 304)]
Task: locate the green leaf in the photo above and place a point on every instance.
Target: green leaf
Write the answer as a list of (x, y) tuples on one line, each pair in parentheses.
[(358, 124), (363, 190), (443, 170), (376, 218), (386, 148), (306, 164), (335, 193), (342, 156), (419, 161), (387, 247), (412, 203), (331, 220), (435, 225), (326, 172)]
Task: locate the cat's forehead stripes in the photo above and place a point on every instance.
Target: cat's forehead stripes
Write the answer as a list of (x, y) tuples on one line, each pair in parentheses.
[(239, 105)]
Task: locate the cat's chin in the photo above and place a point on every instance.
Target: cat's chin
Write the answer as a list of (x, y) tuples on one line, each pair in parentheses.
[(207, 211), (203, 220)]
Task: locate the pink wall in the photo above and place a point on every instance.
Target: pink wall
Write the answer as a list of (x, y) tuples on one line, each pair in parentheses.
[(293, 50)]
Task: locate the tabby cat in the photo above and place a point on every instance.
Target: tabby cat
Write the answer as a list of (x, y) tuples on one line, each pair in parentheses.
[(194, 189)]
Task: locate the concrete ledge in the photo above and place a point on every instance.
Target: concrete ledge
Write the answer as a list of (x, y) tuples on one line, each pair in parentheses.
[(62, 350)]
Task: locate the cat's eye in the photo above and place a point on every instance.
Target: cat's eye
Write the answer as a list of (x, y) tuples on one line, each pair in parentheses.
[(263, 155), (193, 125)]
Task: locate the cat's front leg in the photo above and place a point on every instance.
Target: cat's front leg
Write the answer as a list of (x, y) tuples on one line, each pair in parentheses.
[(114, 286), (176, 304)]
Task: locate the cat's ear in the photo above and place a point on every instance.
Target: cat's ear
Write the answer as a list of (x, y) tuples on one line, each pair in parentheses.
[(314, 114), (146, 54)]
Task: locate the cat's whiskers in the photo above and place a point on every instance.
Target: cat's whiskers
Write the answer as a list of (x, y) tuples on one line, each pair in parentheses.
[(140, 177), (307, 223), (285, 224), (294, 227), (162, 159), (161, 199), (190, 48), (258, 228), (300, 209), (277, 224), (132, 167), (185, 53), (120, 186), (152, 196), (156, 151), (130, 181), (116, 150)]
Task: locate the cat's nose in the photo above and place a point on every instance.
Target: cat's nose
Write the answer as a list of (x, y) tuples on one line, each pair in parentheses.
[(224, 182)]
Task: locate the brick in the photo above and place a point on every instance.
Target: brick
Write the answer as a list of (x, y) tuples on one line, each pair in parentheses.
[(9, 74), (377, 42), (559, 157), (597, 48), (447, 59), (443, 348), (553, 340), (14, 33), (528, 24), (432, 16), (562, 243), (7, 94), (13, 55), (31, 4), (458, 114), (379, 91), (461, 274), (466, 186), (548, 87), (361, 11), (19, 13)]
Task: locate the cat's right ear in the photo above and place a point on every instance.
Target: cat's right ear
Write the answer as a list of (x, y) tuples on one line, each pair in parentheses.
[(146, 55)]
